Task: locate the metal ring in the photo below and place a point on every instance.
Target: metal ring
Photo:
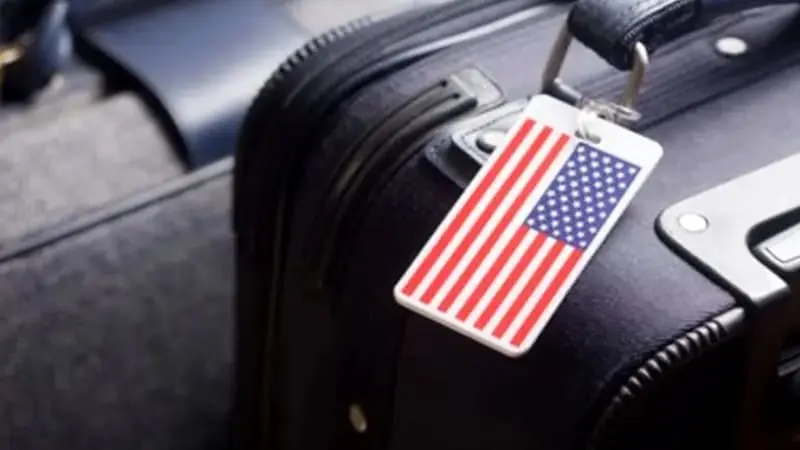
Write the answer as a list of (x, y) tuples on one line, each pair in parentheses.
[(591, 110), (558, 54), (10, 54), (641, 61), (585, 118)]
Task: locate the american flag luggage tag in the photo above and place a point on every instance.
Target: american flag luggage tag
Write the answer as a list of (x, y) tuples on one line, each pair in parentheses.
[(506, 255)]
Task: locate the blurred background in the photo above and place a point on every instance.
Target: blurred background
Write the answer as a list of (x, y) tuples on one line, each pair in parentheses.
[(117, 124)]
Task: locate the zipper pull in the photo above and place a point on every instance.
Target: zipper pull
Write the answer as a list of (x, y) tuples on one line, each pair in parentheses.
[(375, 156)]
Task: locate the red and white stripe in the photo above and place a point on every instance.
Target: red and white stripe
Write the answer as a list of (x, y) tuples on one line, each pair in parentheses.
[(484, 272)]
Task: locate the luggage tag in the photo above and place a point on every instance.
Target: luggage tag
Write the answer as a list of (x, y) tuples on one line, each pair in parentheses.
[(522, 232)]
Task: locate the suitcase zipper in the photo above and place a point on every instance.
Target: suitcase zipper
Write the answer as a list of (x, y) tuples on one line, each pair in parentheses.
[(347, 68), (373, 158), (259, 227), (354, 65), (632, 390), (680, 352)]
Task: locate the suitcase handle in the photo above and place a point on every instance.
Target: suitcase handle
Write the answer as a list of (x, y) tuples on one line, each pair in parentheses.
[(612, 28)]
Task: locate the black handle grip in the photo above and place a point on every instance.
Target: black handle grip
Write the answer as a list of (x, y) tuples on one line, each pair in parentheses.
[(611, 28)]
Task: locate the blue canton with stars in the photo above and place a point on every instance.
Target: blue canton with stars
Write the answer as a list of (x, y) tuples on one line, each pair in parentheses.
[(582, 196)]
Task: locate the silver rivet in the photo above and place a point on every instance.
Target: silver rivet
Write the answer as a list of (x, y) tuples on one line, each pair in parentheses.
[(731, 46), (357, 418), (489, 140), (693, 222)]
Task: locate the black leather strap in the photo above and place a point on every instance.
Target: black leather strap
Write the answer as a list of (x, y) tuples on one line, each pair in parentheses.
[(611, 28), (39, 28)]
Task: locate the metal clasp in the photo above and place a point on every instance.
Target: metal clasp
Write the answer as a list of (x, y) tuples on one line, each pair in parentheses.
[(9, 54), (616, 112)]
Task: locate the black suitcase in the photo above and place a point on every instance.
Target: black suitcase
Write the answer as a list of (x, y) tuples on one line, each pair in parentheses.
[(672, 337)]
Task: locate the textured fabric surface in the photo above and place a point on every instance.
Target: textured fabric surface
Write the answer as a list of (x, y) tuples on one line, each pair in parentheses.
[(120, 337), (71, 159), (636, 296)]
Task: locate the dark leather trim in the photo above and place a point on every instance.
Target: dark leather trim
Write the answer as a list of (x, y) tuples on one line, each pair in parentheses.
[(200, 63), (611, 28)]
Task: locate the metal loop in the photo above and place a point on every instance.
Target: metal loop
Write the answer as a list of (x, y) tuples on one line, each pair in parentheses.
[(587, 116), (593, 109), (558, 54), (9, 54)]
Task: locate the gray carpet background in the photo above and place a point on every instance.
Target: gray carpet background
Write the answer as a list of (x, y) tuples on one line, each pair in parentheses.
[(120, 337), (74, 151)]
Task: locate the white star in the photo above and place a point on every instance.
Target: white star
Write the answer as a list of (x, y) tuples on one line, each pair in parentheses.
[(572, 173), (618, 165), (593, 230), (571, 164), (611, 190), (602, 215), (586, 189), (568, 229), (541, 217), (569, 239), (609, 180), (563, 198), (576, 204), (551, 193), (601, 205), (620, 175), (590, 220), (543, 227), (593, 155), (556, 233), (573, 184), (554, 223), (581, 149), (581, 234), (600, 195), (613, 200), (579, 224), (540, 208), (583, 244), (553, 213), (564, 208), (581, 158), (561, 188), (574, 193), (590, 209), (632, 170), (551, 202), (567, 220), (607, 170), (595, 164), (585, 179), (583, 169), (587, 199), (578, 214), (561, 178), (596, 174), (622, 185), (530, 221), (598, 184), (606, 160)]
